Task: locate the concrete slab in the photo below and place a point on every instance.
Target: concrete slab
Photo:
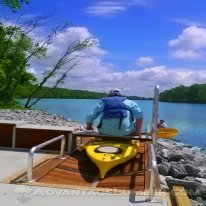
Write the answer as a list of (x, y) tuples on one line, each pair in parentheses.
[(12, 162), (32, 195)]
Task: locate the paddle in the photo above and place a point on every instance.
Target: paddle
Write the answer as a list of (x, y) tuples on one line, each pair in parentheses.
[(162, 133)]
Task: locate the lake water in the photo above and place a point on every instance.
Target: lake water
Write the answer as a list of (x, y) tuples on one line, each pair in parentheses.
[(189, 119)]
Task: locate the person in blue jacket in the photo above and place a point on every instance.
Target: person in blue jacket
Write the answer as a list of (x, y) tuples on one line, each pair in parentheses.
[(119, 116)]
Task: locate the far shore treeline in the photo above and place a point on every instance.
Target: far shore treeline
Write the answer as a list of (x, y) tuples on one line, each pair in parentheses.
[(195, 93), (62, 93)]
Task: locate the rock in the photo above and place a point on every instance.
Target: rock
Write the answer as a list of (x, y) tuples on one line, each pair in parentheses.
[(177, 170), (188, 178), (163, 153), (199, 199), (162, 180), (163, 184), (201, 192), (37, 117), (191, 170), (175, 157), (201, 180), (195, 203), (202, 174), (159, 159), (164, 168), (189, 185)]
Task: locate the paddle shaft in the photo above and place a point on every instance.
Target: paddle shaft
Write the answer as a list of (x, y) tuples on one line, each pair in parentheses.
[(107, 137)]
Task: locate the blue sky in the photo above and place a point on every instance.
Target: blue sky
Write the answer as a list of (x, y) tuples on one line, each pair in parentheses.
[(141, 43)]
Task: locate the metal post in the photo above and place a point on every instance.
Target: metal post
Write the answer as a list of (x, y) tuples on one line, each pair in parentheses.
[(153, 167), (13, 136), (155, 114)]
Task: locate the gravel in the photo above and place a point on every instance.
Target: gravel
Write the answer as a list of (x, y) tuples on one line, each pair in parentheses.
[(37, 117)]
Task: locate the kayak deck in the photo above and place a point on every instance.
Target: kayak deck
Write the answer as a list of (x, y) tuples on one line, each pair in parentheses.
[(77, 170)]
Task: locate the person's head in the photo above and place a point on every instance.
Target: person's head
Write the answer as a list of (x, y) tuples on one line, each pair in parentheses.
[(161, 121), (115, 92)]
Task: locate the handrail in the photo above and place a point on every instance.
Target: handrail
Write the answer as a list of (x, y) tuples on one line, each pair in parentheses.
[(35, 148), (153, 168)]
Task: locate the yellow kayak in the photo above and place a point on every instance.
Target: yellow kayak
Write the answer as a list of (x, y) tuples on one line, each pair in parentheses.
[(108, 154), (167, 132)]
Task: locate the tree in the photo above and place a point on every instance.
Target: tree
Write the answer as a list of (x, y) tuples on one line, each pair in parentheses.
[(15, 46), (195, 93), (16, 51), (13, 4), (68, 58)]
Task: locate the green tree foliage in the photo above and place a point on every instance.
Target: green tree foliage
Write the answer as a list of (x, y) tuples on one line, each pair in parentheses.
[(15, 50), (13, 4), (62, 93), (195, 93), (68, 58)]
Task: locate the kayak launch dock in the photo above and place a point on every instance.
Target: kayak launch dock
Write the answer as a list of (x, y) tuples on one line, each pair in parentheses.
[(69, 177)]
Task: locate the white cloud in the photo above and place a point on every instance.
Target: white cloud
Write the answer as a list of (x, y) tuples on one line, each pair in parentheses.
[(95, 75), (112, 7), (145, 61), (188, 22), (190, 44)]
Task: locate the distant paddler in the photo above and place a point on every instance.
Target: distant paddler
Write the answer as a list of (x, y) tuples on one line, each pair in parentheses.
[(161, 124)]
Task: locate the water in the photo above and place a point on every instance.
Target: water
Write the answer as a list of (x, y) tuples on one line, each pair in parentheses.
[(189, 119)]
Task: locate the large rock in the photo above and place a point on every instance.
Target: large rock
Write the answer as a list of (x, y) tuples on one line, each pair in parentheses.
[(191, 170), (163, 153), (164, 168), (177, 170), (159, 159), (175, 157), (189, 185)]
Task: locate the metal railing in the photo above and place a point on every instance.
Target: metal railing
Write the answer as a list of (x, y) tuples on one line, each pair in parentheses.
[(37, 147), (152, 146), (155, 115), (153, 168)]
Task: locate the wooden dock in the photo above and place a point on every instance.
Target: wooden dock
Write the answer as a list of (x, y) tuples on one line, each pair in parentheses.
[(77, 170)]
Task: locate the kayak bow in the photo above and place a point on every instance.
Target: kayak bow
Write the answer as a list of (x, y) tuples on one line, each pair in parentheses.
[(109, 154)]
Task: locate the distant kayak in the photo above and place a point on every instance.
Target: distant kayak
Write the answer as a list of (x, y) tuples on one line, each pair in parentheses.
[(167, 132), (108, 154)]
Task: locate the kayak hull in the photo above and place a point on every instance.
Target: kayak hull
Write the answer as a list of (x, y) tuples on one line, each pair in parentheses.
[(105, 161), (167, 132)]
